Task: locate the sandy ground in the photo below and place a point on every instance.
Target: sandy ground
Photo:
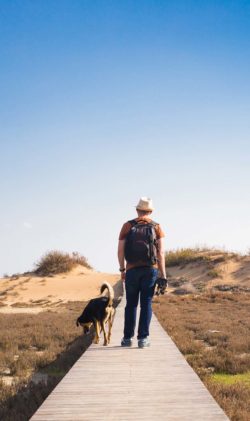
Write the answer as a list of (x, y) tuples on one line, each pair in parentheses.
[(35, 293), (231, 272)]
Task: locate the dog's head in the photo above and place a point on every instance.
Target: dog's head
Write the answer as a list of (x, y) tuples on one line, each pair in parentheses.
[(85, 326)]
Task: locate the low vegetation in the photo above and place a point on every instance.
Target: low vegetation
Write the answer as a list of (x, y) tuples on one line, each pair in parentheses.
[(214, 273), (183, 256), (32, 347), (55, 262), (212, 330)]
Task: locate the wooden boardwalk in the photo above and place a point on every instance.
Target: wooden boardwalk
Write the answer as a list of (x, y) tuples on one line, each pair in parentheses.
[(114, 383)]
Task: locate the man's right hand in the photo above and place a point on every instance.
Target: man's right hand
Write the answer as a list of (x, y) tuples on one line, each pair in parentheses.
[(123, 275)]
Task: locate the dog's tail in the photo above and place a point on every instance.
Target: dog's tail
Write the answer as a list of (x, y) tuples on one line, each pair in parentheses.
[(107, 286)]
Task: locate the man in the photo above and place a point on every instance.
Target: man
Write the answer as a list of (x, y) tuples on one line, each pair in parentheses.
[(141, 245)]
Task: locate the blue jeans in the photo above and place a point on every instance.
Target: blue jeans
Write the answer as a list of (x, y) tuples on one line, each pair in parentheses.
[(139, 282)]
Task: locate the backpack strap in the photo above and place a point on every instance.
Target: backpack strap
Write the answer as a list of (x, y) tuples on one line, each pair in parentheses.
[(133, 222), (153, 223)]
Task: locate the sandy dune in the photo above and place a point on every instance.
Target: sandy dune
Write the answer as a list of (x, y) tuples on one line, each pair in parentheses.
[(33, 293), (232, 271)]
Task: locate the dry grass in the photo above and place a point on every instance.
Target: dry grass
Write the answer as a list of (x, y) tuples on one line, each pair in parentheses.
[(183, 256), (47, 331), (55, 262), (233, 398), (214, 273), (31, 343), (212, 330)]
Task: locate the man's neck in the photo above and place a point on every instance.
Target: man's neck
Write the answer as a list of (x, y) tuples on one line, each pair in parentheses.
[(143, 217)]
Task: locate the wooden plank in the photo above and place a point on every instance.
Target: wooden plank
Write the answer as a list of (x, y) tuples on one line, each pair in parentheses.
[(115, 383)]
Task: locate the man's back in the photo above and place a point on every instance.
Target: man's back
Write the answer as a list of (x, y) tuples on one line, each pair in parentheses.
[(125, 231)]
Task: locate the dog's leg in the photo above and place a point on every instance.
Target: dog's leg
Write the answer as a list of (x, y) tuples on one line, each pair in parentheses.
[(110, 323), (97, 332), (104, 333)]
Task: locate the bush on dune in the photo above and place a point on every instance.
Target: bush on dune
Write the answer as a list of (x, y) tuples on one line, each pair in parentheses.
[(55, 262), (184, 256)]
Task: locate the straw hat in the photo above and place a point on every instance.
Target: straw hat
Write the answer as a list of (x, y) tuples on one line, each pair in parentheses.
[(145, 204)]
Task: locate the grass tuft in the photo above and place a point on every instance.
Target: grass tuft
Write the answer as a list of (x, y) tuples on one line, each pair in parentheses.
[(214, 273), (56, 261), (184, 256), (228, 379)]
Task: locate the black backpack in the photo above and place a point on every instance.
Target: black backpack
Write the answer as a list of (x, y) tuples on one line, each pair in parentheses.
[(141, 243)]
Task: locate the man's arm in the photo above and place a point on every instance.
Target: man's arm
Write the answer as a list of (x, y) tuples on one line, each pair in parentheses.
[(161, 258), (121, 258)]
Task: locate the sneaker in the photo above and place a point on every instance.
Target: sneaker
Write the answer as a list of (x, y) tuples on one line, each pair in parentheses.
[(143, 343), (126, 342)]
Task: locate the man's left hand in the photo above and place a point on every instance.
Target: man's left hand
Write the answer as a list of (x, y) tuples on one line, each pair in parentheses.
[(161, 285)]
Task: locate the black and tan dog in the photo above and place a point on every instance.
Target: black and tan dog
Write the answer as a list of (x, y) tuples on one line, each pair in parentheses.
[(98, 312)]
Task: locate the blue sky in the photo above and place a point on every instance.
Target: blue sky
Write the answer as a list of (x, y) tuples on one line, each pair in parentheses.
[(102, 102)]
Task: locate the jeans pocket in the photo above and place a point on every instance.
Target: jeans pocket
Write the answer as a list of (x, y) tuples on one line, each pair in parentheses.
[(151, 277), (154, 273)]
